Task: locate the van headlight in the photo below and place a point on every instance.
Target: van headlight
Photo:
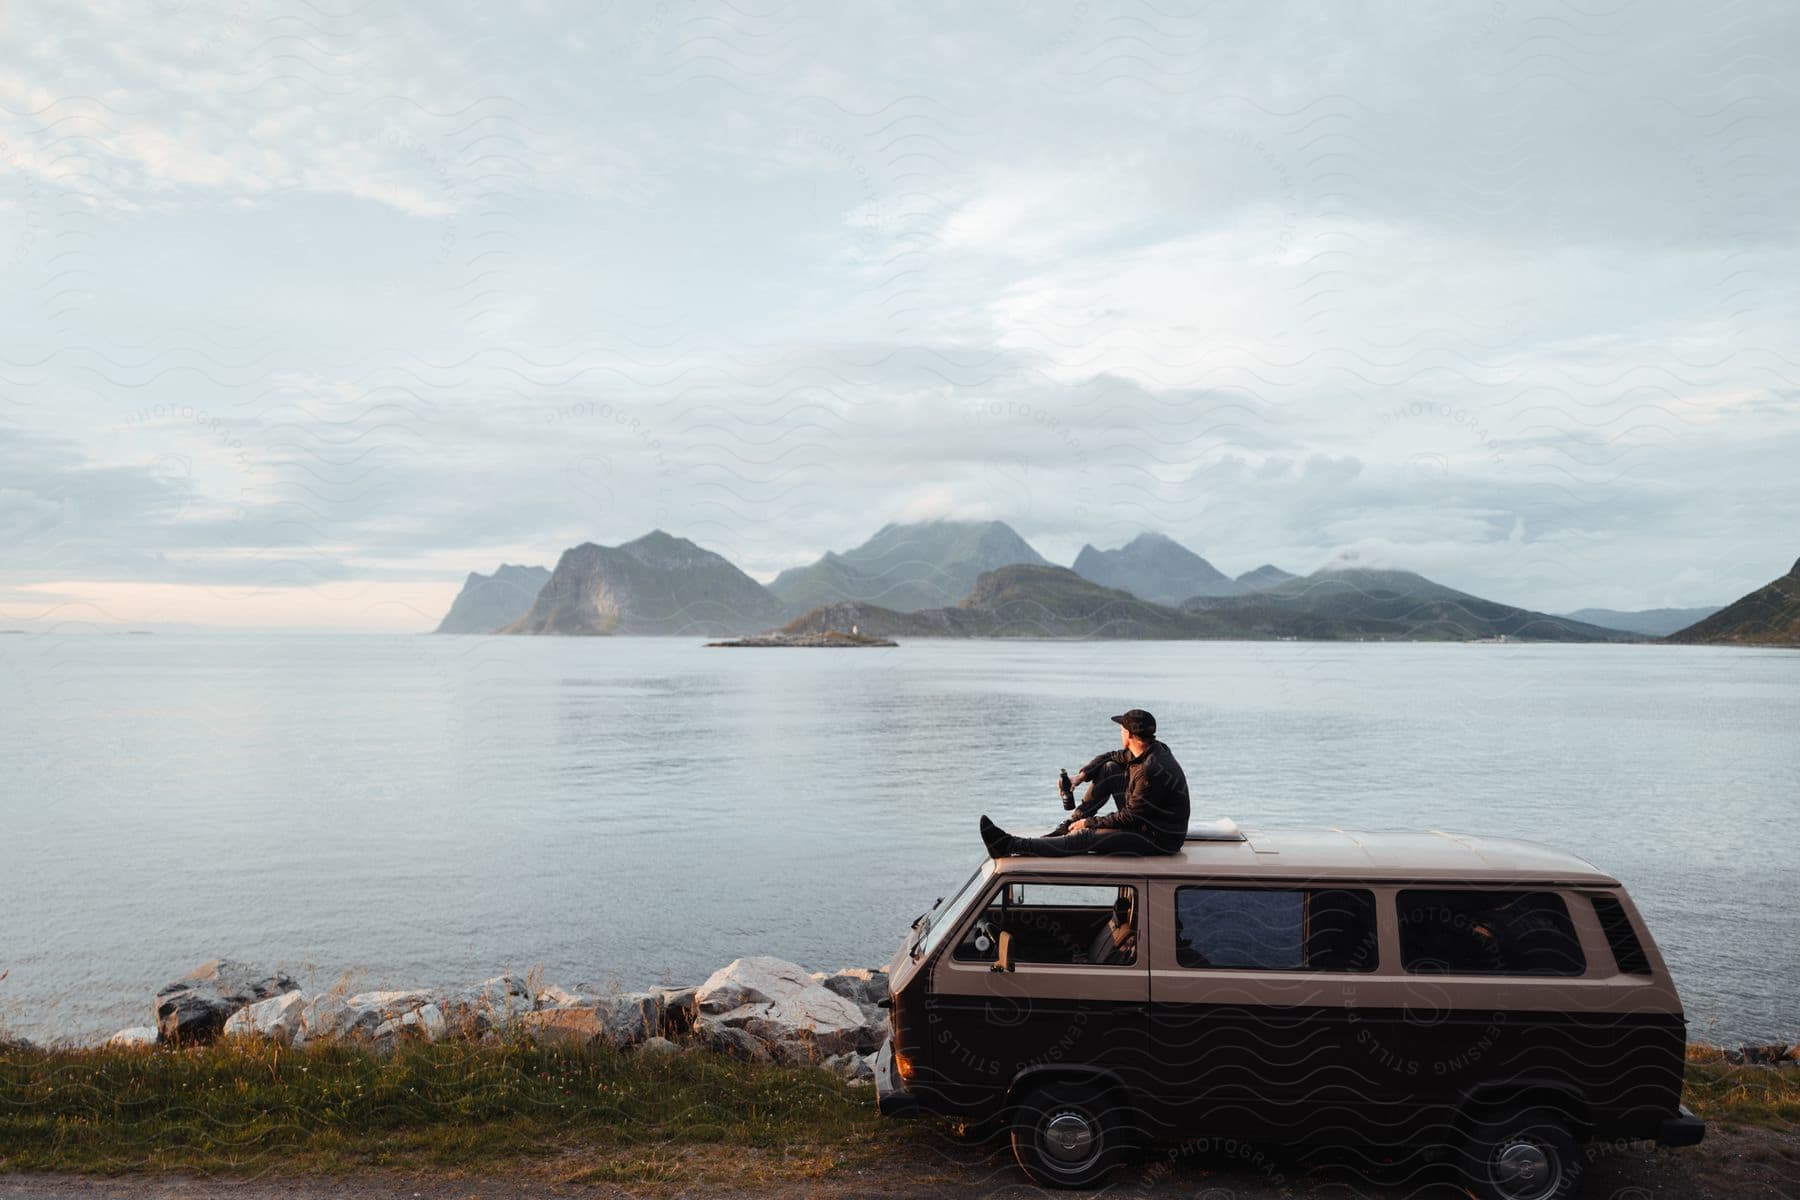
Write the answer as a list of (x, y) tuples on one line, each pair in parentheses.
[(903, 1063)]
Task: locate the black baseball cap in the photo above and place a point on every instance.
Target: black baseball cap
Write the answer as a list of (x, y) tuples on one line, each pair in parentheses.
[(1137, 721)]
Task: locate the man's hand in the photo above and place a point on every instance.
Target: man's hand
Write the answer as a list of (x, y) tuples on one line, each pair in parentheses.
[(1078, 826)]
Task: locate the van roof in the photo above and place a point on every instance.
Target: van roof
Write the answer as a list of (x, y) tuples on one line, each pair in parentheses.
[(1375, 855)]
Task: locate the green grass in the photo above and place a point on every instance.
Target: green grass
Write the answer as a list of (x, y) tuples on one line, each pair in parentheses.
[(1734, 1097), (247, 1106)]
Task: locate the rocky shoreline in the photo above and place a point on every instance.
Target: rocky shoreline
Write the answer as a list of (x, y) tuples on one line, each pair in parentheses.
[(759, 1008)]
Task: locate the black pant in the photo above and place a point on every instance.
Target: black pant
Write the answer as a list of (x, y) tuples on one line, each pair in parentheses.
[(1110, 785), (1089, 841)]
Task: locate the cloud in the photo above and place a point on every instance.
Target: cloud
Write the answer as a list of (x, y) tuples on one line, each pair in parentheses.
[(377, 297)]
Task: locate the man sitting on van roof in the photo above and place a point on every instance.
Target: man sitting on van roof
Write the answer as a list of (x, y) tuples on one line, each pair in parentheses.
[(1152, 819)]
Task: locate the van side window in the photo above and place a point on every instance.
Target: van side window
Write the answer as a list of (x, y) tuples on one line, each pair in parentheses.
[(1487, 933), (1627, 951), (1275, 929), (1063, 924)]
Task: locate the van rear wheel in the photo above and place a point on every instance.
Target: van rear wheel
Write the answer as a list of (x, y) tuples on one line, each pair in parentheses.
[(1523, 1154), (1067, 1135)]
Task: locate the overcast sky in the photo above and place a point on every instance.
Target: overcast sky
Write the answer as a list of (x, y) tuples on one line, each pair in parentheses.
[(311, 309)]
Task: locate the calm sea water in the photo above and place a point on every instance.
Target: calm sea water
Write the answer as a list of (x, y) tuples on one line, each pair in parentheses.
[(430, 810)]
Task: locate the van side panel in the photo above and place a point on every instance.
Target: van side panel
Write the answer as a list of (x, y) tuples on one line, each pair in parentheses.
[(1393, 1057)]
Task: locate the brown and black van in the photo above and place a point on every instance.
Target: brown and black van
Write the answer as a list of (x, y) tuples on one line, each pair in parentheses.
[(1493, 997)]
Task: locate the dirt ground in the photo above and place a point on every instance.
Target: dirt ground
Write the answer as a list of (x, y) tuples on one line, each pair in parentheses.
[(1744, 1165)]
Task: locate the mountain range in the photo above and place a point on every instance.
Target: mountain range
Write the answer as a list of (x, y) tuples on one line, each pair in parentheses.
[(981, 579), (1339, 603), (1651, 622), (1155, 567), (907, 567), (1363, 602), (487, 602)]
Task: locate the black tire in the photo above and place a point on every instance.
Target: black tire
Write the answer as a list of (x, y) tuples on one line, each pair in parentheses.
[(1523, 1154), (1068, 1135)]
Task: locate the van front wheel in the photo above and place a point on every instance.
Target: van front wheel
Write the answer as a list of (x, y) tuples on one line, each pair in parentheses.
[(1067, 1135), (1524, 1154)]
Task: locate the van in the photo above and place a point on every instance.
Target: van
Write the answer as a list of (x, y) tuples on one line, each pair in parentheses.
[(1491, 997)]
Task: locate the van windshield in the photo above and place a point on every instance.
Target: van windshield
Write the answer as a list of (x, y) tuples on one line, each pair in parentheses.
[(940, 920)]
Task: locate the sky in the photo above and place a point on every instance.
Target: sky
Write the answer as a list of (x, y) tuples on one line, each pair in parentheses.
[(311, 309)]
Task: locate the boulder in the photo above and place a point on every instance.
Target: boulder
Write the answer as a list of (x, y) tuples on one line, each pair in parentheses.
[(632, 1017), (723, 1039), (278, 1017), (759, 979), (195, 1007), (679, 1009), (864, 985), (325, 1016), (492, 1004), (575, 1024), (657, 1049), (552, 996), (851, 1067), (421, 1024), (137, 1035), (393, 1003), (780, 1004)]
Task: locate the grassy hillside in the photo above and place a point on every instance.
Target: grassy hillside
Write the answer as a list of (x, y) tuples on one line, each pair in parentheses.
[(1769, 616)]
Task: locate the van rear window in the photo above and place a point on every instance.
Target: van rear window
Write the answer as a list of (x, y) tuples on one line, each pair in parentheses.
[(1627, 951), (1487, 933), (1275, 929)]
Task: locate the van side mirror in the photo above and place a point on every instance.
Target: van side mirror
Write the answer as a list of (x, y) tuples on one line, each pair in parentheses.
[(1003, 957)]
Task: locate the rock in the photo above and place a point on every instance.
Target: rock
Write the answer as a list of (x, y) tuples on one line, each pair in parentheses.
[(492, 1004), (278, 1017), (195, 1007), (632, 1017), (759, 979), (873, 1032), (863, 985), (577, 1025), (824, 1028), (798, 1052), (723, 1039), (421, 1024), (325, 1016), (777, 1002), (851, 1067), (1768, 1055), (394, 1003), (551, 996), (657, 1049), (679, 1009), (137, 1035)]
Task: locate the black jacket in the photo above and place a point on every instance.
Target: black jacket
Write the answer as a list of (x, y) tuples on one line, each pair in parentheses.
[(1156, 795)]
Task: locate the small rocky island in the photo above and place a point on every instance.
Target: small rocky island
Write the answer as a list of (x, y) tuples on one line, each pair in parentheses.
[(823, 637)]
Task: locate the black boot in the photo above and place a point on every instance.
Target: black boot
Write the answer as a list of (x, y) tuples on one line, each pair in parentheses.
[(996, 839)]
